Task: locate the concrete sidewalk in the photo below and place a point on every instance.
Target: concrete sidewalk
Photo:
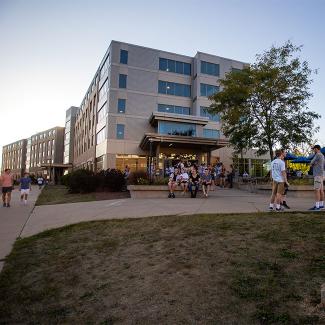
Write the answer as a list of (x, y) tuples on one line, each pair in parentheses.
[(13, 219), (219, 201)]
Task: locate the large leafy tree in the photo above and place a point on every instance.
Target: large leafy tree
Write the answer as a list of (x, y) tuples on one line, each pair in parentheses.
[(265, 105)]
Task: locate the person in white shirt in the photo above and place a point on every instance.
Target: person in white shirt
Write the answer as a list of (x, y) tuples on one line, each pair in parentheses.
[(279, 177), (183, 180)]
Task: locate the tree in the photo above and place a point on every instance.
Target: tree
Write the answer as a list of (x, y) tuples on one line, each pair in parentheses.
[(264, 106)]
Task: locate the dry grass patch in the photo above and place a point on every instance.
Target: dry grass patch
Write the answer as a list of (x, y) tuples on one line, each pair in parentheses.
[(204, 269)]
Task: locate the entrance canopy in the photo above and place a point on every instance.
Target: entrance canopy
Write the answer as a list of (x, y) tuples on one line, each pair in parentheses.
[(177, 141)]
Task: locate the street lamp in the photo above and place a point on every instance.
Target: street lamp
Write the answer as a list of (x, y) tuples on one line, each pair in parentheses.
[(150, 161)]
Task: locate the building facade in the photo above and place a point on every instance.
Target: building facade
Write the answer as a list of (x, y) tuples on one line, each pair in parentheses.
[(14, 157), (145, 103), (144, 107), (69, 134), (44, 154)]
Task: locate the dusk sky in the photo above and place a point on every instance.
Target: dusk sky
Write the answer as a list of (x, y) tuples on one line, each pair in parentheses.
[(50, 50)]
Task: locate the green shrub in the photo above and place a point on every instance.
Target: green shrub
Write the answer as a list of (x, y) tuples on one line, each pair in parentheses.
[(65, 179), (82, 181), (138, 178), (111, 179), (161, 181)]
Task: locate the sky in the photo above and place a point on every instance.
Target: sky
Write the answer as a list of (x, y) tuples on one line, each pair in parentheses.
[(50, 50)]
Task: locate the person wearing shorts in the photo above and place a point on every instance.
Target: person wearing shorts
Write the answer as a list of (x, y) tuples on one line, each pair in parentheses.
[(317, 163), (183, 180), (279, 177), (172, 184), (25, 188), (7, 181), (206, 182)]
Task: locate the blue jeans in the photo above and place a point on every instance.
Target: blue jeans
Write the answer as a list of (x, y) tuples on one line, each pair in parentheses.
[(193, 189)]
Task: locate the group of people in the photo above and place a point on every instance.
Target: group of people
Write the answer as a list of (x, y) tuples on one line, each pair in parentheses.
[(25, 186), (191, 177), (280, 183)]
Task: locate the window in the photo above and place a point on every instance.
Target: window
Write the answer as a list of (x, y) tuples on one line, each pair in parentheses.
[(124, 56), (236, 70), (119, 131), (211, 133), (173, 128), (103, 69), (121, 105), (174, 66), (213, 117), (103, 90), (173, 109), (67, 125), (175, 89), (122, 81), (208, 90), (101, 135), (210, 68), (102, 112)]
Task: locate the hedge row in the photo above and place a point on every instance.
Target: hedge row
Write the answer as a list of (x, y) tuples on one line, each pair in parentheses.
[(86, 181)]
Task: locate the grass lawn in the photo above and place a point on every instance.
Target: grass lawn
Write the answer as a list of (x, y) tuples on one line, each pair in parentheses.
[(203, 269), (59, 194)]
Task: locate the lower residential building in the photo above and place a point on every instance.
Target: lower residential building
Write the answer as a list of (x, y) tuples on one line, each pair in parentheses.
[(40, 155), (45, 154), (14, 157)]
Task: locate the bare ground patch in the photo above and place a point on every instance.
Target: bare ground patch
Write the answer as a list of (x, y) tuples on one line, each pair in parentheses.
[(204, 269)]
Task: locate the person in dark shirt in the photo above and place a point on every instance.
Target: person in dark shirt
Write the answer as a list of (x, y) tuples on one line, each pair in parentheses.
[(194, 182)]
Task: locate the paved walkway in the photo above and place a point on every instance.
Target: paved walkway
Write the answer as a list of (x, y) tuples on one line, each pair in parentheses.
[(13, 219), (220, 201)]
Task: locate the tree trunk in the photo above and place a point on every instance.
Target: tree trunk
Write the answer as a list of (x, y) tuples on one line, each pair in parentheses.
[(271, 151)]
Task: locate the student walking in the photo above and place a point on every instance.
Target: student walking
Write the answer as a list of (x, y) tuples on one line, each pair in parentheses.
[(40, 182), (25, 188), (317, 164), (279, 177), (7, 181)]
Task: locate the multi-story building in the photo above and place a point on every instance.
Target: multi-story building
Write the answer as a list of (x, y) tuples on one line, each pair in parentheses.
[(144, 102), (143, 107), (14, 157), (69, 135), (45, 153)]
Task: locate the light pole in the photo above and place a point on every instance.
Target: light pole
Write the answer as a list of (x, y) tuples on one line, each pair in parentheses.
[(150, 161)]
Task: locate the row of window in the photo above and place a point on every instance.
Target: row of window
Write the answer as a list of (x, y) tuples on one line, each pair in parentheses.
[(212, 117), (101, 135), (173, 88), (208, 90), (178, 66), (185, 129), (174, 66), (168, 128), (173, 109), (164, 108), (103, 90), (211, 69)]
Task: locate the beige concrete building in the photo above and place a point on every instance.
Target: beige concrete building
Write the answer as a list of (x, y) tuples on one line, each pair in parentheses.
[(14, 157), (44, 154), (143, 103), (143, 107)]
